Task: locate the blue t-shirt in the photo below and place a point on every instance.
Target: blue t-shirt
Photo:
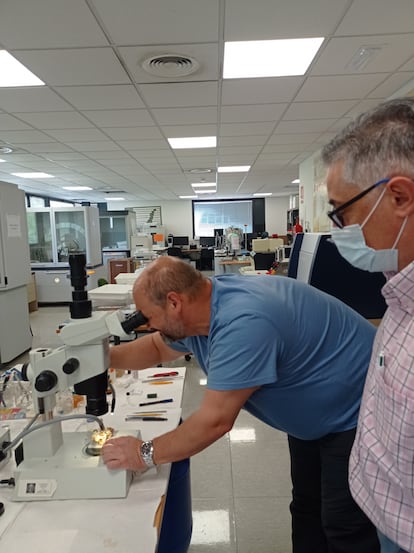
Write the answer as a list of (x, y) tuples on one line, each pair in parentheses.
[(308, 352)]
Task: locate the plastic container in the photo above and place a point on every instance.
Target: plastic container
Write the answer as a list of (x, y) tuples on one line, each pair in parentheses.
[(177, 521)]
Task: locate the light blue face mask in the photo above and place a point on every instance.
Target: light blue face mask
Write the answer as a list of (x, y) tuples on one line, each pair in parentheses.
[(351, 244)]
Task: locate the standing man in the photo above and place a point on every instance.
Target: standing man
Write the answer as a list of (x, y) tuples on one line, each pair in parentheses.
[(293, 356), (371, 188)]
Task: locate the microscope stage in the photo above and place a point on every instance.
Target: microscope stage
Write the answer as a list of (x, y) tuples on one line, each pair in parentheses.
[(71, 473)]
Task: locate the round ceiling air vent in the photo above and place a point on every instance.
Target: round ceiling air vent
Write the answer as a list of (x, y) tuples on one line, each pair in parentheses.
[(170, 65)]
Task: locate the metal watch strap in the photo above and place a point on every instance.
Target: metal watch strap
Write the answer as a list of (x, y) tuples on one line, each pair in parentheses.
[(147, 452)]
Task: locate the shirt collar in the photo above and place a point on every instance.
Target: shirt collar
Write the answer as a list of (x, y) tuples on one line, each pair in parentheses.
[(399, 289)]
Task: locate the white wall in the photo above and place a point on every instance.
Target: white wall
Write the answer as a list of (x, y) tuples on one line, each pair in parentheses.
[(177, 215), (275, 214)]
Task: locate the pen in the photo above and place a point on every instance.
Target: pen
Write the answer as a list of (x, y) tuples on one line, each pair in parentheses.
[(172, 373), (381, 359), (158, 382), (151, 419), (170, 400)]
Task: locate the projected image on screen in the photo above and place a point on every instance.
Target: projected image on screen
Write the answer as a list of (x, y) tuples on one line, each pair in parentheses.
[(209, 216)]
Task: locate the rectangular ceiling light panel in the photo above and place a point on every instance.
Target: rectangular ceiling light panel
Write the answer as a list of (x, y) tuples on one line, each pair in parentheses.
[(269, 58)]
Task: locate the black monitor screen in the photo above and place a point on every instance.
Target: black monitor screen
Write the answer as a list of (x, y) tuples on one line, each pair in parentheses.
[(207, 241), (181, 241)]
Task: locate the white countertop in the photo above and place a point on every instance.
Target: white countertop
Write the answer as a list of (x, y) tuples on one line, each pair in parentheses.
[(87, 526)]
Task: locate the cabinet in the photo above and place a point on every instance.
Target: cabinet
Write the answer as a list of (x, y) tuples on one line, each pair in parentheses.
[(55, 233), (15, 336), (122, 265)]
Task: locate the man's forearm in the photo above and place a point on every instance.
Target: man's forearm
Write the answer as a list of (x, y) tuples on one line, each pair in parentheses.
[(192, 436)]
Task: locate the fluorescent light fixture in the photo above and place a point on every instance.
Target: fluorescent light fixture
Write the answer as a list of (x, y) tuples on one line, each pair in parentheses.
[(187, 197), (34, 175), (13, 73), (77, 188), (205, 191), (262, 194), (3, 160), (203, 184), (296, 181), (115, 199), (234, 169), (269, 58), (193, 142)]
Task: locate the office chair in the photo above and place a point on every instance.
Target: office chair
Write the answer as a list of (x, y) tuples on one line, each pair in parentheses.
[(174, 251), (206, 259), (263, 261)]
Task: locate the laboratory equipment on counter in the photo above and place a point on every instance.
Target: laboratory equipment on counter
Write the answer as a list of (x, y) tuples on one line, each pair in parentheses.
[(52, 464)]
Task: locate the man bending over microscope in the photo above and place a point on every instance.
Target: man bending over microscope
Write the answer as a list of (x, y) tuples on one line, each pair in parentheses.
[(291, 355)]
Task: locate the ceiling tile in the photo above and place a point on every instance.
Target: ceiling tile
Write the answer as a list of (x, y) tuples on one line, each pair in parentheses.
[(339, 87), (49, 24), (261, 19), (179, 94), (252, 113), (107, 97), (378, 16), (157, 21), (31, 99), (185, 116), (55, 120), (120, 117), (83, 66), (260, 91)]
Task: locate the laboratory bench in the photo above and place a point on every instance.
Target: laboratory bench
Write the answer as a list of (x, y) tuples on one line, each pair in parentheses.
[(133, 523)]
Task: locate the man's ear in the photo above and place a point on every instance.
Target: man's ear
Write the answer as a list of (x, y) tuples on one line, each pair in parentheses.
[(402, 190), (173, 300)]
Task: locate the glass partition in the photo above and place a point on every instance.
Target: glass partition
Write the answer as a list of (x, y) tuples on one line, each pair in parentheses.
[(40, 236)]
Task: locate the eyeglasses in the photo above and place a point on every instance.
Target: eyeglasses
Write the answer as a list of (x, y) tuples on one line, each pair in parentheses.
[(336, 215)]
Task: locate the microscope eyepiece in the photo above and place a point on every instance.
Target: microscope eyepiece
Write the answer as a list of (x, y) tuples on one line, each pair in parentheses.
[(133, 321)]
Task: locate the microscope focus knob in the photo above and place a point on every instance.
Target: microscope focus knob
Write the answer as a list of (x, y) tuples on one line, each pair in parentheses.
[(70, 365), (45, 381)]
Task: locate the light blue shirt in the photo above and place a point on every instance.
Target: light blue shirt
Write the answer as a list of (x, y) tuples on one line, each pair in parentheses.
[(308, 352)]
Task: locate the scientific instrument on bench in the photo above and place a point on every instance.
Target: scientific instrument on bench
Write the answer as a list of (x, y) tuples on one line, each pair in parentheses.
[(52, 464)]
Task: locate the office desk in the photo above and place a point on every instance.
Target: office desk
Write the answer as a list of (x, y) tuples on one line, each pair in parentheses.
[(87, 526), (231, 265)]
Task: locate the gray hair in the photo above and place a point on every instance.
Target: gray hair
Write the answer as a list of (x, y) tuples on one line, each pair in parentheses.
[(378, 144), (169, 274)]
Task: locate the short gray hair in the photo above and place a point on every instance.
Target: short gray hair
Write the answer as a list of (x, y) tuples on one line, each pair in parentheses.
[(378, 144)]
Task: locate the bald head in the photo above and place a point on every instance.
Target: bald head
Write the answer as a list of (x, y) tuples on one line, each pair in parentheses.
[(169, 274)]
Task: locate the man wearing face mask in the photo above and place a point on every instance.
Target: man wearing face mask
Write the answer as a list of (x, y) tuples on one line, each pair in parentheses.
[(371, 188)]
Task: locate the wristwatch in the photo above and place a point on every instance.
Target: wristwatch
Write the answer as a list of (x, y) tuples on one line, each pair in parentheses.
[(147, 452)]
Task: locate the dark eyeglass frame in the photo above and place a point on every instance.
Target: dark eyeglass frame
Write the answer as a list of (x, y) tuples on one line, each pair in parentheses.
[(335, 214)]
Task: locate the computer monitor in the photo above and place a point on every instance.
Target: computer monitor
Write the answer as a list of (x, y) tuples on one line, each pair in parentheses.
[(207, 241), (181, 241), (218, 232), (316, 260)]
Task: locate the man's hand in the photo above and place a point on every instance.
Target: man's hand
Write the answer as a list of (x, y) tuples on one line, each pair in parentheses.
[(123, 453)]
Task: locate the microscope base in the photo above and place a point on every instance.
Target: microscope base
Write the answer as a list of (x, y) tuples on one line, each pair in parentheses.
[(70, 474)]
